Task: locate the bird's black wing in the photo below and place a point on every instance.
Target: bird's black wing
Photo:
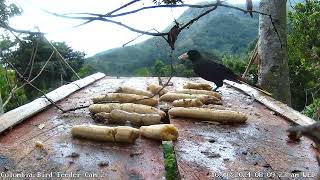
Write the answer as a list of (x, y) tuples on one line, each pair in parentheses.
[(213, 72), (217, 70), (228, 73)]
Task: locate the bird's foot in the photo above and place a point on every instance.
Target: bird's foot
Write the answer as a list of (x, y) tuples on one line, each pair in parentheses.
[(215, 89)]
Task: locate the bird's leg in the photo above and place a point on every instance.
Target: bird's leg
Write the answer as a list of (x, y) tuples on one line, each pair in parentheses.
[(215, 89), (252, 98)]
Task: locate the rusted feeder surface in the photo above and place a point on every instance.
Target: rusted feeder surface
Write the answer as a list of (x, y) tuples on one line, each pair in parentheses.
[(203, 150), (256, 149), (63, 155)]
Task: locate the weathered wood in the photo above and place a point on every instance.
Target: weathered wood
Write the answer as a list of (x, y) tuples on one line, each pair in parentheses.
[(257, 149), (253, 57), (277, 106), (141, 160), (17, 115)]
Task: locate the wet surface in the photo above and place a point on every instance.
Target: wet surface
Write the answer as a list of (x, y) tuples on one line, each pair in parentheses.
[(258, 148), (65, 157)]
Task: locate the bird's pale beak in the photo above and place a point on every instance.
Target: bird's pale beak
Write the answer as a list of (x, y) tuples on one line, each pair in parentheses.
[(183, 56)]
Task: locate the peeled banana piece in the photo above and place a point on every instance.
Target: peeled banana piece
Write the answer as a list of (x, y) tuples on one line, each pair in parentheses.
[(104, 133), (164, 132)]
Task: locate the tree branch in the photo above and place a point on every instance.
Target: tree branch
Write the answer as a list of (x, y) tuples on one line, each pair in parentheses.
[(39, 90), (9, 28)]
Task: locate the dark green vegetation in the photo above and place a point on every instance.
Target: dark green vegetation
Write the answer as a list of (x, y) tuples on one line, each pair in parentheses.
[(172, 172), (304, 57), (222, 31)]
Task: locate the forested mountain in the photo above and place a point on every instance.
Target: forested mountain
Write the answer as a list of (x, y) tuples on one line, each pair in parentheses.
[(222, 31)]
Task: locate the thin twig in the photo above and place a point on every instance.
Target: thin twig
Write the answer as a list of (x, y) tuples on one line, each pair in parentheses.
[(39, 90), (9, 28), (107, 14), (61, 57), (76, 108), (144, 8), (141, 34), (198, 17), (33, 56), (14, 90), (253, 57)]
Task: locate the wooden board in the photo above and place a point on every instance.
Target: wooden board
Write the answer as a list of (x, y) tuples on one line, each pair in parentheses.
[(259, 148), (277, 106), (203, 151), (142, 160), (21, 113)]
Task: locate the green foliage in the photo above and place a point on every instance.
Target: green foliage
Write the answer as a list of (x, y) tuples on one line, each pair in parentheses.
[(304, 53), (144, 72), (6, 87), (85, 70), (313, 110), (160, 69), (7, 11), (238, 65), (55, 72)]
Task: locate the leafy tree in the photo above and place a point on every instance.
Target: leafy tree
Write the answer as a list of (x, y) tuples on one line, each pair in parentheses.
[(304, 53), (160, 69), (7, 11), (238, 65), (85, 70), (54, 73), (144, 72), (313, 110), (19, 96)]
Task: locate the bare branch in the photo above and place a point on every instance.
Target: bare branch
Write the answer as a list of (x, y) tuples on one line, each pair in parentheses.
[(10, 96), (39, 90), (122, 7), (144, 8), (61, 57), (33, 56), (9, 28), (110, 13), (106, 17)]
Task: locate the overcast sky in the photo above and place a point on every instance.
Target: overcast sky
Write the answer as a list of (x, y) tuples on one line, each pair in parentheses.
[(96, 36)]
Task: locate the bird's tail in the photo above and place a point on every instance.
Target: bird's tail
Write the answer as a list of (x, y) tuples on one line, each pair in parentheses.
[(243, 80)]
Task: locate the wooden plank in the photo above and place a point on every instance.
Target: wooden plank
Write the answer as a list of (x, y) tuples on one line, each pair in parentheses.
[(277, 106), (19, 114), (257, 149), (141, 160)]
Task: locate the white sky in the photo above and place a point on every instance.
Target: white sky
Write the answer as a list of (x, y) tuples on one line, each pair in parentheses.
[(96, 36)]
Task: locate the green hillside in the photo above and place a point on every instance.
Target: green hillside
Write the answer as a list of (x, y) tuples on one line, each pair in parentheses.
[(222, 31)]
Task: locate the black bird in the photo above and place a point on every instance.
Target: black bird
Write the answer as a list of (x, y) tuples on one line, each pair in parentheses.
[(210, 70)]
